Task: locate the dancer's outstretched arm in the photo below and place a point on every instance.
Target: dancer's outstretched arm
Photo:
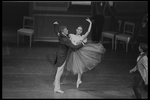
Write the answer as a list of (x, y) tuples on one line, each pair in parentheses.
[(89, 29), (55, 24)]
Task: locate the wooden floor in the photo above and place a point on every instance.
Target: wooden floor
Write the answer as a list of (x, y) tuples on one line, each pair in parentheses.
[(27, 72)]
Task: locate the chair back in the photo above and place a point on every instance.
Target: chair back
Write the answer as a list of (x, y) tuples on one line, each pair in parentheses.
[(119, 25), (129, 28), (28, 22)]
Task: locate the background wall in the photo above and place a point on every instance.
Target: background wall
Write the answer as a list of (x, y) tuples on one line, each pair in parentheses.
[(13, 12), (46, 13)]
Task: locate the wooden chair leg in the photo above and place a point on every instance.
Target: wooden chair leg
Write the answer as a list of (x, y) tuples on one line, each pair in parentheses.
[(112, 43), (127, 46), (115, 44), (30, 40)]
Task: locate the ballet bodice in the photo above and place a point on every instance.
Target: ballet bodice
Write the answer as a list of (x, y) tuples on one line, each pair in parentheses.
[(77, 39)]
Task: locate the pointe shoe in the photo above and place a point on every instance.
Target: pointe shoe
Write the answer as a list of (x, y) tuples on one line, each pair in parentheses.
[(58, 91), (78, 83)]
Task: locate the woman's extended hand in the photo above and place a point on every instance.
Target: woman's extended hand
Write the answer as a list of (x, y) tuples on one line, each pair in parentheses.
[(88, 20), (55, 22)]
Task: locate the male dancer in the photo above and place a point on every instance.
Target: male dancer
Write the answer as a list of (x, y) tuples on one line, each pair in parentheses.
[(62, 53)]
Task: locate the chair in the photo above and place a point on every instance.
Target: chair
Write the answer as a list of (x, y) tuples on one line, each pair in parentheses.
[(27, 30), (127, 34), (111, 34)]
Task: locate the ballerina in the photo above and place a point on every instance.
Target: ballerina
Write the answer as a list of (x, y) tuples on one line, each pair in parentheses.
[(85, 58)]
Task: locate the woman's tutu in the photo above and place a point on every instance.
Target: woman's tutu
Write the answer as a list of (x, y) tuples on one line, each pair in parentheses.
[(85, 58)]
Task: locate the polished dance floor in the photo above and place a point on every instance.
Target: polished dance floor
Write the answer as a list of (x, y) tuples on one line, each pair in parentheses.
[(27, 72)]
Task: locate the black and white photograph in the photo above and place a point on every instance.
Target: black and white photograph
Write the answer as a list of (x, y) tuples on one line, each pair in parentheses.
[(74, 49)]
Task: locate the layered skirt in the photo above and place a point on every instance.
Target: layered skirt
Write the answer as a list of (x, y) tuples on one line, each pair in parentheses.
[(85, 58)]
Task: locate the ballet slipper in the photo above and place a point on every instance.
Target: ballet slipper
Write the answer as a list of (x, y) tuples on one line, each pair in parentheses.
[(58, 91), (78, 83)]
